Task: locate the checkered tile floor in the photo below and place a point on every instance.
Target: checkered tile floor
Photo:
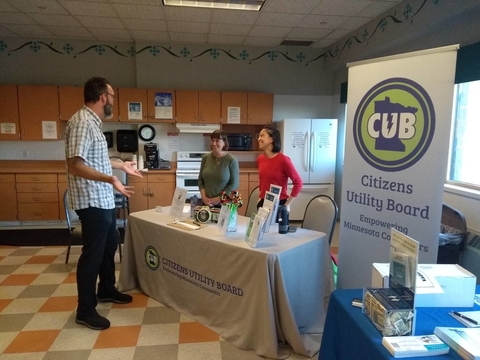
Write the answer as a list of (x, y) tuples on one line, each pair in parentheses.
[(37, 318)]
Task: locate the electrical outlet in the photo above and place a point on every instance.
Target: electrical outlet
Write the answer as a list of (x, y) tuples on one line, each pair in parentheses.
[(26, 154)]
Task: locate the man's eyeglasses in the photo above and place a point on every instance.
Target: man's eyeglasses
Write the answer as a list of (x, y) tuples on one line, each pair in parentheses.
[(113, 96)]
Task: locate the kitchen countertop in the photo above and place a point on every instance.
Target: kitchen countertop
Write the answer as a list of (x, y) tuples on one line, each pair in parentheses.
[(58, 166)]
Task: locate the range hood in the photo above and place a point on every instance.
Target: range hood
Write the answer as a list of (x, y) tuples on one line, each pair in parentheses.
[(197, 128)]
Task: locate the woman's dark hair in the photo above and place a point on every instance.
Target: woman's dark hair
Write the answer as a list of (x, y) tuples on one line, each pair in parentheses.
[(275, 135), (94, 88), (222, 135)]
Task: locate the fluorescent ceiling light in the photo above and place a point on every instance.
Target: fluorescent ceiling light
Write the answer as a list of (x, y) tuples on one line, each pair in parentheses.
[(254, 5)]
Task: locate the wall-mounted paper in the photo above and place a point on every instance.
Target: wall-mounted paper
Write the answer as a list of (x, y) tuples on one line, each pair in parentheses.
[(135, 111), (49, 130)]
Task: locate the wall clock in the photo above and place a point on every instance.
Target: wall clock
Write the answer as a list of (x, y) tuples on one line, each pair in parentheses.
[(146, 133)]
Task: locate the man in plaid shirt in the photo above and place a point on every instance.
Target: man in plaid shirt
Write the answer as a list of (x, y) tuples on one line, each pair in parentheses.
[(91, 194)]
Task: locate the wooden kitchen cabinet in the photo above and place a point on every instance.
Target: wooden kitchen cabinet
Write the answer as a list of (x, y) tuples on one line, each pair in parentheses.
[(194, 106), (38, 112), (8, 210), (70, 99), (244, 193), (255, 108), (154, 189), (147, 99), (260, 108), (9, 118), (37, 196), (253, 182), (62, 186)]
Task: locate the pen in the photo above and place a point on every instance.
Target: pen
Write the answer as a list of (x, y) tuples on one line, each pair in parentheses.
[(465, 317)]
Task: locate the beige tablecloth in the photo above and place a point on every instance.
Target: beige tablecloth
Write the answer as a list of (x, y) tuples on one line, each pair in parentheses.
[(256, 298)]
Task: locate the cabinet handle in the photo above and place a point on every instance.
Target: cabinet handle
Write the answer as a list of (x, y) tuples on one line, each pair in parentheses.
[(35, 178), (36, 188), (37, 198), (150, 192)]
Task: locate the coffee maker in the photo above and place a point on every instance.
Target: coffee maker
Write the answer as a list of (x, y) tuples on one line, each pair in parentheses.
[(151, 155)]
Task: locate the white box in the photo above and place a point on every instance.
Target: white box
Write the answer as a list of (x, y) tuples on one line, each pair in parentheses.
[(443, 285)]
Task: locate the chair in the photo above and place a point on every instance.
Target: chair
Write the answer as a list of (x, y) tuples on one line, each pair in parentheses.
[(121, 202), (252, 202), (321, 215), (75, 227), (73, 224)]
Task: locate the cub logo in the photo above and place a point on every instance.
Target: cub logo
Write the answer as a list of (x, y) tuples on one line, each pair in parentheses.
[(151, 258), (394, 124)]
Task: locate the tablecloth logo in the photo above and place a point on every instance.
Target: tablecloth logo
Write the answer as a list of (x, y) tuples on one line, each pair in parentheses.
[(394, 124), (151, 258)]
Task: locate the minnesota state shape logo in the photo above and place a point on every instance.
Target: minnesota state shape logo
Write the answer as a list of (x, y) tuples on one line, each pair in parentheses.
[(394, 124)]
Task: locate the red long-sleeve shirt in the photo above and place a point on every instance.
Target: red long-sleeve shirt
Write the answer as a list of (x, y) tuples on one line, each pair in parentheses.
[(277, 170)]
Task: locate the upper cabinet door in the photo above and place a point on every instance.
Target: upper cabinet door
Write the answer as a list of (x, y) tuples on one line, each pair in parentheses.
[(38, 111), (132, 104), (9, 120), (161, 106), (187, 106), (210, 107), (237, 102), (260, 108), (70, 100)]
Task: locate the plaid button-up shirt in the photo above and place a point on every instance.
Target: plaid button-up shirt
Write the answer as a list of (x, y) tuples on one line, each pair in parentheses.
[(84, 138)]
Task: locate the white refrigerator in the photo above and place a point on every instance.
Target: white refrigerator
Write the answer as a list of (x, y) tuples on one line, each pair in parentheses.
[(311, 144)]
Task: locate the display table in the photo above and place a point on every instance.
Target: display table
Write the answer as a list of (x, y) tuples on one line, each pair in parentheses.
[(349, 334), (256, 298)]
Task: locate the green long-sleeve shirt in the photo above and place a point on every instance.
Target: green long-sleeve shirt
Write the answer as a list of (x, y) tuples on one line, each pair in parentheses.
[(215, 178)]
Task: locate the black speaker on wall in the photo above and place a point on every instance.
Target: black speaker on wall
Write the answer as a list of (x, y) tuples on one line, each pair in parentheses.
[(127, 141), (109, 138)]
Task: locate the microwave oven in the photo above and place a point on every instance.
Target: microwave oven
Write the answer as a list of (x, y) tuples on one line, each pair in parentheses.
[(239, 142)]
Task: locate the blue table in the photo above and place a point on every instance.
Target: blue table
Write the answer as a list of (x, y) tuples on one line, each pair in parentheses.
[(349, 334)]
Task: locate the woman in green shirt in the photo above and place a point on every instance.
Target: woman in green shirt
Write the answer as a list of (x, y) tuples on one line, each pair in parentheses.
[(219, 170)]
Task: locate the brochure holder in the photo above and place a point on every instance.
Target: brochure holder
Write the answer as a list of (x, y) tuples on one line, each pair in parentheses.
[(270, 203), (392, 309), (178, 202)]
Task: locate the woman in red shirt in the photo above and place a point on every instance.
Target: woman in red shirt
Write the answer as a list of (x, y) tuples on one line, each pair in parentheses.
[(275, 167)]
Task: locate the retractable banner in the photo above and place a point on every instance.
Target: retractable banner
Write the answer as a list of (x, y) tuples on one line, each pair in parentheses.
[(398, 126)]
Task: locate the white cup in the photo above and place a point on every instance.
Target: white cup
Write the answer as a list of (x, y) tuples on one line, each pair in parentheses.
[(140, 162), (134, 161)]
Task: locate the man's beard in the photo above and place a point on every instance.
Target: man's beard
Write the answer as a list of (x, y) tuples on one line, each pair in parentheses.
[(108, 111)]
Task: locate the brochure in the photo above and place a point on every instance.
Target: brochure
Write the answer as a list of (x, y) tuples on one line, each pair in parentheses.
[(465, 341), (178, 202), (271, 204), (410, 346)]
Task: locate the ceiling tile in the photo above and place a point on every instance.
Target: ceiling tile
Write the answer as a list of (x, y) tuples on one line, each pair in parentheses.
[(188, 37), (322, 44), (29, 30), (5, 6), (138, 11), (376, 9), (342, 7), (93, 9), (262, 41), (111, 34), (270, 31), (355, 23), (101, 22), (337, 34), (176, 13), (290, 6), (56, 20), (15, 18), (71, 32), (145, 25), (226, 39), (39, 6), (323, 21), (156, 36), (304, 33), (188, 27), (276, 19), (235, 17), (6, 32), (138, 2), (226, 29)]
